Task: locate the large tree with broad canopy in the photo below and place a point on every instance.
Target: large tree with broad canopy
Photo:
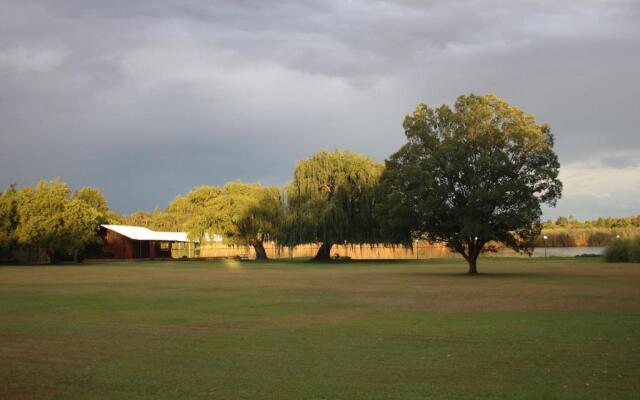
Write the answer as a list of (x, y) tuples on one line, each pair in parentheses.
[(469, 175)]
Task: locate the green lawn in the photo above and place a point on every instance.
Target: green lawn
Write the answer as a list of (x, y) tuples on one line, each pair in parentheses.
[(525, 329)]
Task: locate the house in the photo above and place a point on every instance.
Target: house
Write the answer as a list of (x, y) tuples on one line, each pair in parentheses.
[(124, 242)]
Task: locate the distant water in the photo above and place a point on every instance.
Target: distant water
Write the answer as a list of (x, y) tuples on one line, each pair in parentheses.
[(567, 251), (556, 251)]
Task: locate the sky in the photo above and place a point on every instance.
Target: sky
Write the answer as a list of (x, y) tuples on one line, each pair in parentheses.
[(146, 100)]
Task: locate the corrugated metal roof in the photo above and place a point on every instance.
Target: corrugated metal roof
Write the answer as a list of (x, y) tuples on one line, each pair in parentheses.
[(140, 233)]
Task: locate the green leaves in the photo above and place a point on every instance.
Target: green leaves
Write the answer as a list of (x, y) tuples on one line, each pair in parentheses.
[(480, 170), (468, 175), (94, 198), (331, 200), (240, 212), (8, 218), (48, 216)]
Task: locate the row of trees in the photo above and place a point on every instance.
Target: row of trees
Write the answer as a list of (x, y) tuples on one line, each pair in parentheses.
[(572, 222), (50, 216), (468, 175), (330, 200)]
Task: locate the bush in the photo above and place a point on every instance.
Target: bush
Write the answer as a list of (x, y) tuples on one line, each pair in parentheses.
[(623, 250), (634, 250), (618, 251)]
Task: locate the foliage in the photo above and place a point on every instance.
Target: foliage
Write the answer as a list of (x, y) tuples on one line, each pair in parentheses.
[(182, 209), (242, 213), (94, 198), (623, 250), (331, 200), (80, 224), (40, 215), (177, 213), (47, 216), (469, 175), (634, 250), (164, 221), (138, 218), (571, 232), (112, 217), (194, 201), (603, 223), (8, 220), (580, 237)]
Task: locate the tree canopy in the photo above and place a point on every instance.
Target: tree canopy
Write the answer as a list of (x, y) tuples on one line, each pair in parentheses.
[(331, 200), (242, 213), (94, 198), (469, 175), (49, 217), (8, 219)]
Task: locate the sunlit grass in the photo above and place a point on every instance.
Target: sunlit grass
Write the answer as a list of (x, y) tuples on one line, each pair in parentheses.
[(529, 329)]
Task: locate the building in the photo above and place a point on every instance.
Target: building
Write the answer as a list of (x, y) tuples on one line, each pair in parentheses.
[(124, 242)]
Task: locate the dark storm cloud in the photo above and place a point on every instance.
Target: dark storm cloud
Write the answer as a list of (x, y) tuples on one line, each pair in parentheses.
[(148, 99)]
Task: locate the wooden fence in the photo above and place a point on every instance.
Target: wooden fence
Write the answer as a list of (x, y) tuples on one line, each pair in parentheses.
[(383, 252)]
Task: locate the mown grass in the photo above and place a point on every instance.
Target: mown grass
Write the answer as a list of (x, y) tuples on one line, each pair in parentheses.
[(525, 329)]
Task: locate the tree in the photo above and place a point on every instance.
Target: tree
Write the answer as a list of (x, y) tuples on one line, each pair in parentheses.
[(469, 175), (331, 200), (242, 213), (80, 226), (184, 208), (113, 217), (138, 218), (49, 218), (8, 221), (178, 212), (40, 219), (94, 198)]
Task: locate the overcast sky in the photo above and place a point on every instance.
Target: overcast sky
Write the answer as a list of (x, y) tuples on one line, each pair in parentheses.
[(146, 100)]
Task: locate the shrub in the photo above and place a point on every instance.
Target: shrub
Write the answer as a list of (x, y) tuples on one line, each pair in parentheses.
[(634, 249), (623, 250), (618, 250)]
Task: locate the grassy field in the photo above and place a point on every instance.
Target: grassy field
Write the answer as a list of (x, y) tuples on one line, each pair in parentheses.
[(526, 329)]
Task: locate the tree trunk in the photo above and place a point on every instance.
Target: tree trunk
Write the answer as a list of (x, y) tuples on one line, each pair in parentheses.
[(473, 266), (474, 253), (324, 252), (258, 246), (53, 259)]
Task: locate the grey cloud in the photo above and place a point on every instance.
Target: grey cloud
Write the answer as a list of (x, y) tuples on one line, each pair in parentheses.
[(148, 99)]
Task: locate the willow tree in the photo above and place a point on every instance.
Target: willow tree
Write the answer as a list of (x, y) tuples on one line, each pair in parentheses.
[(331, 200), (241, 213), (469, 175), (184, 208), (178, 212)]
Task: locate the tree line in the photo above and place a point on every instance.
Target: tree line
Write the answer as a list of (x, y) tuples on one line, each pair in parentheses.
[(52, 217), (572, 222), (470, 174)]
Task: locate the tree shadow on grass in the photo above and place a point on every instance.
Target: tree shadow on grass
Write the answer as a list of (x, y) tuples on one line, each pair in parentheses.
[(485, 275)]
